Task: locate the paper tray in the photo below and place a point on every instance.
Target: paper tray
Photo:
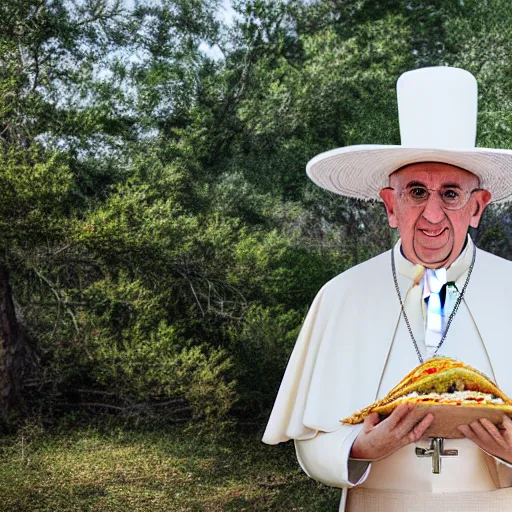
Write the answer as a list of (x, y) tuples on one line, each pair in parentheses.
[(448, 417)]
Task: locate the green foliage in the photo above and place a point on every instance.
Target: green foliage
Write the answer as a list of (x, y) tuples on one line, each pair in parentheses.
[(162, 238), (35, 185), (261, 344)]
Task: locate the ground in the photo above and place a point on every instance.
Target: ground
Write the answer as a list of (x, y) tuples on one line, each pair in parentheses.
[(118, 469)]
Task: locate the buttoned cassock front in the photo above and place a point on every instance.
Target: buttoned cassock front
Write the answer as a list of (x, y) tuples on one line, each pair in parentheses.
[(351, 350)]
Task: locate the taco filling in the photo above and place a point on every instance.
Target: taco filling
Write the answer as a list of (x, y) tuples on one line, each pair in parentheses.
[(439, 381)]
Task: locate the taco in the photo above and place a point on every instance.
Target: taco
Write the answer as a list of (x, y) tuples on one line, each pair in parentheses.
[(443, 385)]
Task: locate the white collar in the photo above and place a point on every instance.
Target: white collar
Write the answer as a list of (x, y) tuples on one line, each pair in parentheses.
[(453, 272)]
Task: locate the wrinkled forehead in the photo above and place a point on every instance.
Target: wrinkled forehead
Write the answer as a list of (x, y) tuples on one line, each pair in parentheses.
[(433, 175)]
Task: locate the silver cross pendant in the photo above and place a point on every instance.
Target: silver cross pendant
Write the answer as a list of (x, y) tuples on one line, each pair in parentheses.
[(436, 451)]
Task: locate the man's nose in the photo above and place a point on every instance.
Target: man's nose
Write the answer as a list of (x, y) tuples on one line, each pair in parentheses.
[(433, 212)]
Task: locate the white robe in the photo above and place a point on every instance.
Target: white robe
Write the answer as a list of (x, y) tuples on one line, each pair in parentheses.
[(342, 359)]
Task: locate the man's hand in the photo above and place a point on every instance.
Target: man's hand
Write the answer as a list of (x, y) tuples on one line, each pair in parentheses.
[(484, 434), (380, 439)]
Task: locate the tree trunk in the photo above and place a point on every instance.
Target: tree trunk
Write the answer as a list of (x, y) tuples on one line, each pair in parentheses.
[(11, 345)]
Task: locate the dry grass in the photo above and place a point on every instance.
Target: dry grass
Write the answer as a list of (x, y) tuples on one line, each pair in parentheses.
[(122, 470)]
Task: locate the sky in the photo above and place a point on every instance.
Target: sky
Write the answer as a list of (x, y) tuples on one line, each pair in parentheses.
[(226, 14)]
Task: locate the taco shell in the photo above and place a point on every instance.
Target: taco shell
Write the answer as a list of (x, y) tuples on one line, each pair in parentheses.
[(454, 392)]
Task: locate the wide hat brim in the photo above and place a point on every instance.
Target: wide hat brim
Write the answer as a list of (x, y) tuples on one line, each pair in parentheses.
[(362, 171)]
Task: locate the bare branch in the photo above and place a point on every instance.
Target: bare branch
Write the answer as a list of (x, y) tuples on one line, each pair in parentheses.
[(68, 310), (58, 251)]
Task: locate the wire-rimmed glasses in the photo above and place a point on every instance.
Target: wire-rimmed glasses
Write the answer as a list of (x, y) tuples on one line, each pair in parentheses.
[(450, 197)]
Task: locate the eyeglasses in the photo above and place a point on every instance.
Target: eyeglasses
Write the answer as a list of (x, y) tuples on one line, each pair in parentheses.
[(451, 198)]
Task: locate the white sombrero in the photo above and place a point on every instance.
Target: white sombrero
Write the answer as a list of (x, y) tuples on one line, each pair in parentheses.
[(437, 110)]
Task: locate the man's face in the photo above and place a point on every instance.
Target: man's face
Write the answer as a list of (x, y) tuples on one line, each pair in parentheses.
[(432, 234)]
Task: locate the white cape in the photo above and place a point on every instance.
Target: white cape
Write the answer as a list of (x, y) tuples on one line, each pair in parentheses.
[(342, 349)]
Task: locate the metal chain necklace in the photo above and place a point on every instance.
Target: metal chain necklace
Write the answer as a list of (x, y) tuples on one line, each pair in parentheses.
[(450, 318)]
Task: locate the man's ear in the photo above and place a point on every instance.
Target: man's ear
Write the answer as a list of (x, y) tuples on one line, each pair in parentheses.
[(388, 196), (482, 200)]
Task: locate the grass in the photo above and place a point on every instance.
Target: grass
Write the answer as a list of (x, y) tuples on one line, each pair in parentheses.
[(124, 470)]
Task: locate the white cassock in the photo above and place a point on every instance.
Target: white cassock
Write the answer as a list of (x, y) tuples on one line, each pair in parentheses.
[(354, 347)]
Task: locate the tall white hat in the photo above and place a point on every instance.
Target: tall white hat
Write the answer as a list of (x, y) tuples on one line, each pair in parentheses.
[(437, 110)]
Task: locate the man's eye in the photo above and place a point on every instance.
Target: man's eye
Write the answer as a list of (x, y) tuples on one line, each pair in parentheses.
[(450, 195), (418, 193)]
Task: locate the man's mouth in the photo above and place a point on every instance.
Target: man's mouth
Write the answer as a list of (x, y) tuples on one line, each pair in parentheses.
[(433, 233)]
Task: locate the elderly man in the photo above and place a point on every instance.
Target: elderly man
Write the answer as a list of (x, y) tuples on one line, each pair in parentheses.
[(371, 325)]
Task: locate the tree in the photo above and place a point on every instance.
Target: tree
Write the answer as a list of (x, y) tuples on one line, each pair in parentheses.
[(48, 48), (158, 232)]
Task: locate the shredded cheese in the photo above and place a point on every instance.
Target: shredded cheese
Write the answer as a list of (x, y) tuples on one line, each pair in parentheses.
[(477, 396)]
